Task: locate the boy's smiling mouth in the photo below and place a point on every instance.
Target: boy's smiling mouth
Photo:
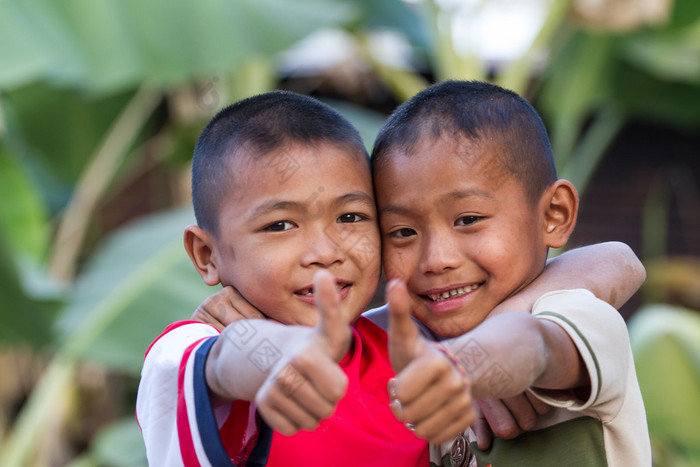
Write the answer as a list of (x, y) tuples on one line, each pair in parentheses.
[(451, 293), (309, 291)]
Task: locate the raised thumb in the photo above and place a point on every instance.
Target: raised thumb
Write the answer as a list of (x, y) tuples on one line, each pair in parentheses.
[(403, 332), (332, 324)]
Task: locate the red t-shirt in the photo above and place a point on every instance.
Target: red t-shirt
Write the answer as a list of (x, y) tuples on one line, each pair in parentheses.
[(362, 431)]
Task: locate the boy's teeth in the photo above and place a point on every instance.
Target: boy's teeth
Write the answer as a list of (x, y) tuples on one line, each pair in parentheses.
[(436, 297), (310, 292)]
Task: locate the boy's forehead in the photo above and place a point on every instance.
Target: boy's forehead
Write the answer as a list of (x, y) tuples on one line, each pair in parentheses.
[(472, 159), (297, 167), (284, 161)]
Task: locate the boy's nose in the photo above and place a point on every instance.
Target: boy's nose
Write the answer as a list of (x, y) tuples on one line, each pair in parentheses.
[(322, 249), (438, 254)]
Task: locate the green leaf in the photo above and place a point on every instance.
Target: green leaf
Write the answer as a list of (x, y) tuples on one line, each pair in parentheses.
[(109, 46), (120, 445), (23, 216), (685, 12), (648, 97), (394, 15), (56, 131), (140, 281), (23, 319), (670, 55), (23, 54), (105, 41), (576, 84), (43, 19), (666, 345), (268, 26)]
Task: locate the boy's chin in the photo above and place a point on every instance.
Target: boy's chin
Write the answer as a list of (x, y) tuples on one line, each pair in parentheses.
[(449, 326)]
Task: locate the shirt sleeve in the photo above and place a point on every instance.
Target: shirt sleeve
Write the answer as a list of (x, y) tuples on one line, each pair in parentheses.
[(600, 336), (167, 396)]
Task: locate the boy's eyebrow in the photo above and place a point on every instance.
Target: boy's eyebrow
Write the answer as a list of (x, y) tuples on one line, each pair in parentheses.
[(275, 205), (355, 196), (451, 196), (282, 205), (461, 194)]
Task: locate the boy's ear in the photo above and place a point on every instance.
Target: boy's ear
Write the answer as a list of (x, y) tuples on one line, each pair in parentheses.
[(560, 204), (199, 245)]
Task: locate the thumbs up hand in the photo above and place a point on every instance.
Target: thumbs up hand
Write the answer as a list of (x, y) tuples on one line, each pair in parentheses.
[(429, 393), (306, 387)]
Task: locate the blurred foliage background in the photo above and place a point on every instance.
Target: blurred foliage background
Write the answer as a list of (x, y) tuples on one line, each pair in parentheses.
[(101, 102)]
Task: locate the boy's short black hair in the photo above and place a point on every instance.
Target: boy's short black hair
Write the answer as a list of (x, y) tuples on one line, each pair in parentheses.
[(254, 127), (480, 112)]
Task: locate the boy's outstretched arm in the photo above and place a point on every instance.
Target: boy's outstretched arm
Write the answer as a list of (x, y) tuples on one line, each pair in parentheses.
[(558, 350), (304, 384), (520, 351)]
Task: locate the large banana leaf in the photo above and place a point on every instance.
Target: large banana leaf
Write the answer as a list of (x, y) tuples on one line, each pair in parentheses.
[(28, 306), (56, 131), (23, 216), (24, 318), (140, 281), (104, 46), (670, 55)]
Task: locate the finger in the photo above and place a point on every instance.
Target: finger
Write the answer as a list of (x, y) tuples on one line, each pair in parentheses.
[(481, 429), (425, 384), (292, 383), (436, 430), (499, 418), (282, 414), (332, 325), (241, 306), (403, 333), (289, 397), (522, 410), (453, 415), (540, 407), (206, 312), (322, 375), (277, 420), (444, 396), (225, 307)]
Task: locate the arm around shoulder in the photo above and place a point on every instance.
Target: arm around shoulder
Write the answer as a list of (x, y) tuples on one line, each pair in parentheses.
[(611, 270)]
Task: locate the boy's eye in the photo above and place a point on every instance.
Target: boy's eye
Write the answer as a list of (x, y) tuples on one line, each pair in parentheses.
[(402, 233), (351, 218), (467, 220), (280, 226)]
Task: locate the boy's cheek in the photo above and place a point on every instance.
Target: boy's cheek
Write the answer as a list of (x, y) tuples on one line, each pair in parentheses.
[(360, 242), (366, 253), (396, 265)]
